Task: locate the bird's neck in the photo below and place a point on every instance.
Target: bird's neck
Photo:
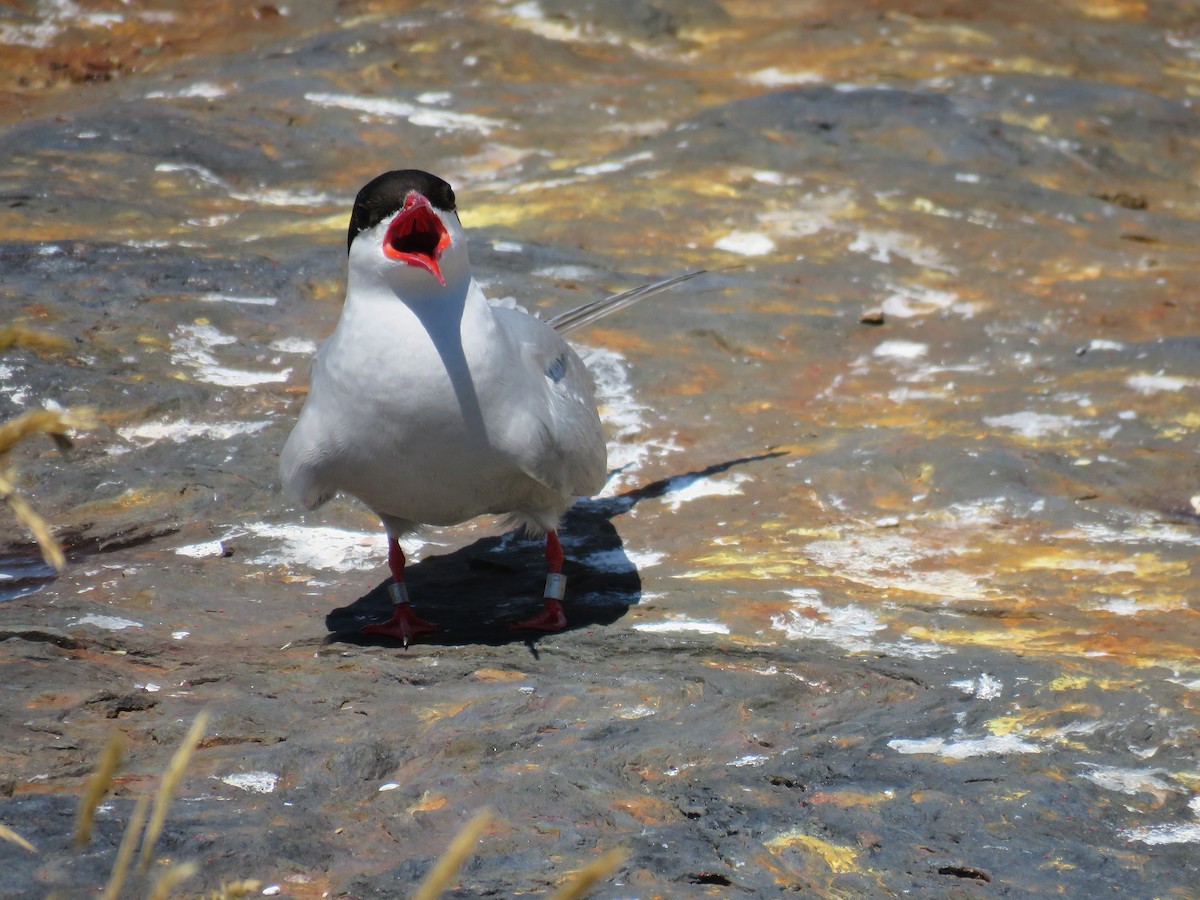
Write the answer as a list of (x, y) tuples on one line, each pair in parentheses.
[(377, 310), (418, 294)]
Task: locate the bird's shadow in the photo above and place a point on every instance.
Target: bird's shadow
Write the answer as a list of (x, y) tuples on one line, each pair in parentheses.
[(476, 591)]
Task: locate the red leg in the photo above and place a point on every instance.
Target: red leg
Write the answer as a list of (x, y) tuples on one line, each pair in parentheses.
[(551, 618), (396, 559), (404, 623), (554, 552)]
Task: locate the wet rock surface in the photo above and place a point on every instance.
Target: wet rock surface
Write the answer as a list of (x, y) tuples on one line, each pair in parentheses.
[(892, 588)]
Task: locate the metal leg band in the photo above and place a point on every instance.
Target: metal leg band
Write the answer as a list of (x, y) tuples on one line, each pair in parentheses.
[(556, 586), (399, 592)]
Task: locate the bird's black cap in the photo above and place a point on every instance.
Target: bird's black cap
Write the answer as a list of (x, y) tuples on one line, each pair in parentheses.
[(383, 196)]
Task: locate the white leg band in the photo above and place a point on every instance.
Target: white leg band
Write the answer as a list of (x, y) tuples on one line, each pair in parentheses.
[(399, 592), (556, 586)]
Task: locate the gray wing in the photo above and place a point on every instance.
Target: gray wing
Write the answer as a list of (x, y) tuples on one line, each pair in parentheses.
[(307, 448), (563, 446)]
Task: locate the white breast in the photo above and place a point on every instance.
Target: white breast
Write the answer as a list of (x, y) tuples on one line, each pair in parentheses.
[(435, 414)]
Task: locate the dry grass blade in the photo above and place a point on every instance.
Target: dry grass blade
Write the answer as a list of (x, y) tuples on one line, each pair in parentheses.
[(235, 890), (456, 854), (32, 338), (38, 527), (44, 421), (133, 831), (55, 423), (97, 787), (170, 782), (9, 835), (171, 879), (590, 875)]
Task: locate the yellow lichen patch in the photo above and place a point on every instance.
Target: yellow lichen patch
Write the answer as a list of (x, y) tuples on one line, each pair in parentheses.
[(1024, 639), (1186, 73), (1106, 562), (1034, 641), (1028, 722), (154, 340), (753, 406), (304, 225), (1032, 66), (131, 499), (1190, 780), (955, 33), (1080, 681), (431, 714), (507, 213), (428, 803), (776, 307), (1033, 123), (41, 342), (59, 699), (619, 340), (647, 810), (839, 858), (849, 799), (827, 533), (1058, 865), (488, 674), (1069, 682), (716, 188), (1132, 10), (764, 572), (1003, 725), (1173, 433)]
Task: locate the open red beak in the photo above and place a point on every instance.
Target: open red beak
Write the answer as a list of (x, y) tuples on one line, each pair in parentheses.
[(417, 236)]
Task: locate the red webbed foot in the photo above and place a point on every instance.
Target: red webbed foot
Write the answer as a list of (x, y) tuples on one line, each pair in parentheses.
[(550, 619), (404, 625)]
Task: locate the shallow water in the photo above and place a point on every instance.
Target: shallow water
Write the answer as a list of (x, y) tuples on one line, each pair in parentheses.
[(892, 588)]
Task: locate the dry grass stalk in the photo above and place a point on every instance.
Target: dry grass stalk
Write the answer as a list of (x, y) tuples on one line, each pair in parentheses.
[(170, 782), (53, 422), (171, 879), (56, 423), (456, 854), (32, 338), (236, 890), (37, 526), (9, 835), (590, 875), (97, 787), (116, 878), (431, 888)]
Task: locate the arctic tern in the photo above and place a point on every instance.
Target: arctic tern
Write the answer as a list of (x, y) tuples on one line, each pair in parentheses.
[(432, 405)]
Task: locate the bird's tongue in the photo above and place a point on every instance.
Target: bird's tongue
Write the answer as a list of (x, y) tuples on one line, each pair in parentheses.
[(417, 237)]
